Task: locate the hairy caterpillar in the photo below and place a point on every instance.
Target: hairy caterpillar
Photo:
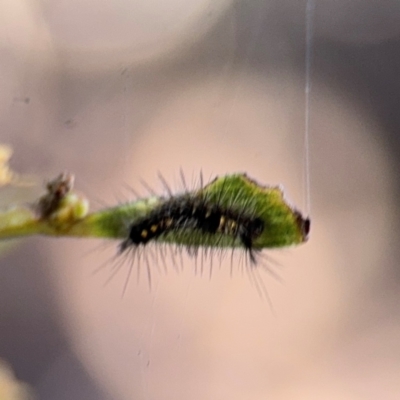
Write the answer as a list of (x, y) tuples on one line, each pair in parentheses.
[(197, 213), (230, 212)]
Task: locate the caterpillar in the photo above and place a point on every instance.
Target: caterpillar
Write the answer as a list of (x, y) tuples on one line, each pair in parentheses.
[(232, 211), (195, 214)]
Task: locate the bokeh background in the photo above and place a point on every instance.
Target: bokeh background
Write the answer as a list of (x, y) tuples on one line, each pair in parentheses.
[(117, 91)]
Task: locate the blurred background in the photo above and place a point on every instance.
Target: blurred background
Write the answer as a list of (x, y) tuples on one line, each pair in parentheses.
[(117, 91)]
